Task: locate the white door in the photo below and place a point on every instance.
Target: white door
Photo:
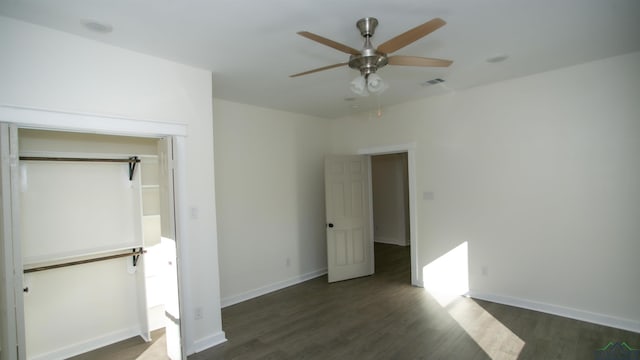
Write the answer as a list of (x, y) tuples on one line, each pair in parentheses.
[(348, 206), (168, 241), (12, 338)]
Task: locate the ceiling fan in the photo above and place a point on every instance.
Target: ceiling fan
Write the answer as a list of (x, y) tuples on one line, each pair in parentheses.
[(370, 59)]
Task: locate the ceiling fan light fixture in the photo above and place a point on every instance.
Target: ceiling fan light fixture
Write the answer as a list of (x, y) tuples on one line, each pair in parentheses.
[(359, 86), (375, 84), (367, 84)]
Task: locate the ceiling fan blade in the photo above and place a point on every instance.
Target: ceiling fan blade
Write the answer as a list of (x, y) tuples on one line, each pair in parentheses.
[(318, 69), (324, 41), (410, 36), (418, 61)]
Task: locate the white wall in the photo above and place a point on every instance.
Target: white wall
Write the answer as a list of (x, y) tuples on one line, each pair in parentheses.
[(539, 175), (47, 69), (270, 198), (390, 203)]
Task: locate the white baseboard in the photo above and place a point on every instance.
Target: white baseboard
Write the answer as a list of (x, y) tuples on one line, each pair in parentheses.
[(208, 342), (92, 344), (596, 318), (231, 300)]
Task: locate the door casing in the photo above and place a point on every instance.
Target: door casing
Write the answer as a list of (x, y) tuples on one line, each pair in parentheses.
[(410, 149)]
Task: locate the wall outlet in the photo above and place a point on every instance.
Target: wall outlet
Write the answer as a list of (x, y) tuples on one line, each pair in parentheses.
[(288, 262), (485, 270), (197, 313)]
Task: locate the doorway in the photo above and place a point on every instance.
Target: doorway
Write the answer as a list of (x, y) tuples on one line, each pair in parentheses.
[(411, 218), (390, 190)]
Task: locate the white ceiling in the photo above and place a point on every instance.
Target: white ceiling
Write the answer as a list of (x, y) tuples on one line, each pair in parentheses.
[(251, 46)]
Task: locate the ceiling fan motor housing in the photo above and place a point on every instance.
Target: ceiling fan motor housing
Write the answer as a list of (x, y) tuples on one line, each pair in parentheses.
[(369, 60), (368, 63)]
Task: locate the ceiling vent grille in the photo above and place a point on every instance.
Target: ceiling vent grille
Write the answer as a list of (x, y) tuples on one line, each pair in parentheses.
[(432, 82)]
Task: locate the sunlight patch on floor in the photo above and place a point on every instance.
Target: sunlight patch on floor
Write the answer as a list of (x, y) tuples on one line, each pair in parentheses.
[(497, 340), (157, 350), (447, 279)]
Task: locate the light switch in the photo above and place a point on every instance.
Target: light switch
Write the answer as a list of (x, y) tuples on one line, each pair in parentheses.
[(427, 195), (193, 212)]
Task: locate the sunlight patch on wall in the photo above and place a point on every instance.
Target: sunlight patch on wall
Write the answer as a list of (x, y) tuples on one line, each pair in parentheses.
[(447, 277)]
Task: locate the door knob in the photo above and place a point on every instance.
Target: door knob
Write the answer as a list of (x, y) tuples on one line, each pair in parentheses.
[(330, 225)]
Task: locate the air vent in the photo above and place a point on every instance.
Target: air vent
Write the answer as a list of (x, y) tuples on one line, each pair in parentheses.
[(432, 82), (99, 27)]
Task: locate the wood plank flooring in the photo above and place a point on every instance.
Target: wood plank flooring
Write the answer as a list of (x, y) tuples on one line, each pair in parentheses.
[(130, 349), (384, 317)]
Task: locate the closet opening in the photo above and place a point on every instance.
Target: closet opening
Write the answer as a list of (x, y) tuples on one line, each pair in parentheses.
[(98, 242)]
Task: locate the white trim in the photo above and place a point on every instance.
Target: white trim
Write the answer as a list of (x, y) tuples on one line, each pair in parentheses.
[(410, 149), (577, 314), (372, 251), (231, 300), (181, 215), (388, 149), (25, 117), (12, 326), (89, 345), (209, 342)]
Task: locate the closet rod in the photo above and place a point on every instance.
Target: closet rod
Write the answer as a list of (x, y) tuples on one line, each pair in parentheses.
[(45, 158), (132, 161), (135, 253)]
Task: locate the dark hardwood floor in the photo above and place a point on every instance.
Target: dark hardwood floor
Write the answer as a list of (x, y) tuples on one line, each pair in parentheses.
[(384, 317)]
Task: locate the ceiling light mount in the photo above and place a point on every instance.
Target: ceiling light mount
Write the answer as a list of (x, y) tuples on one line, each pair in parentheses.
[(367, 26)]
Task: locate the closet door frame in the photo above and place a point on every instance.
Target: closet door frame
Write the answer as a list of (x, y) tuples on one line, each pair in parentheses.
[(12, 330), (20, 117)]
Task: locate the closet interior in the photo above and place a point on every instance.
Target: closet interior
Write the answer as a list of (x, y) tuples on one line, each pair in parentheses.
[(96, 269)]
